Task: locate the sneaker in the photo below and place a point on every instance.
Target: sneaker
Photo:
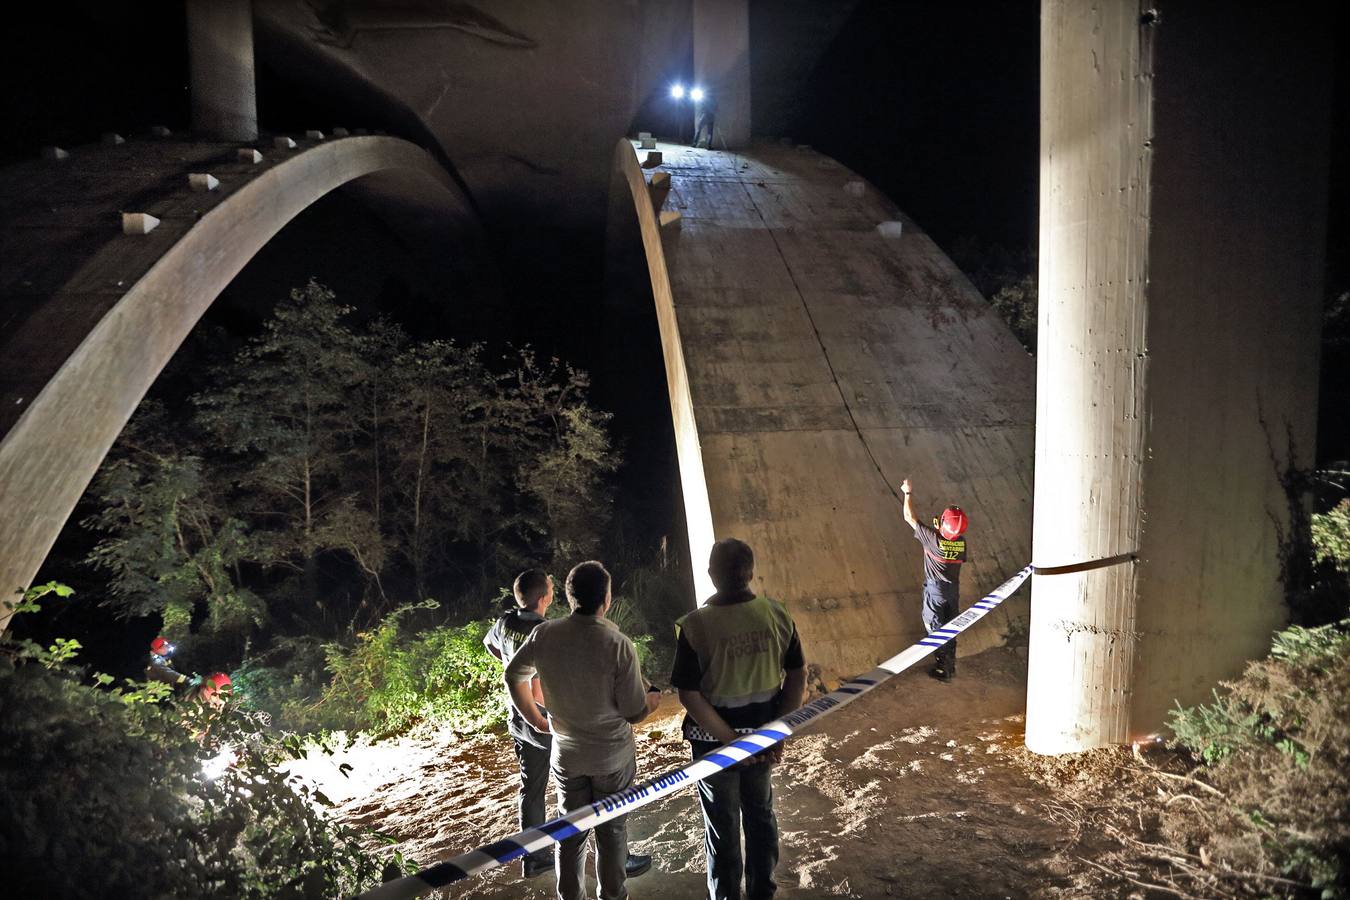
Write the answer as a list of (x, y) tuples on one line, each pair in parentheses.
[(636, 865), (940, 674), (533, 868)]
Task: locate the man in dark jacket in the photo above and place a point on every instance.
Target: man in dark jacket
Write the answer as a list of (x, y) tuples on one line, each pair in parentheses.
[(534, 594)]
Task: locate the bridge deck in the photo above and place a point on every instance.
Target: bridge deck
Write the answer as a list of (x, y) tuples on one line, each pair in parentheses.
[(827, 362)]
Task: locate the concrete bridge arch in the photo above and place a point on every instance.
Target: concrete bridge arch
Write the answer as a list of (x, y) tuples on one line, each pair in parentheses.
[(86, 330)]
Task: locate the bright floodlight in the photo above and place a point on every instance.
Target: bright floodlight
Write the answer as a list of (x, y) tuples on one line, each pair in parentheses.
[(677, 91), (696, 95)]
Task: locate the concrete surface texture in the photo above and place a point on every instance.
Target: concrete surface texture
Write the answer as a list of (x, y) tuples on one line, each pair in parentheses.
[(1183, 175), (527, 99), (89, 315), (220, 65), (722, 67), (825, 363)]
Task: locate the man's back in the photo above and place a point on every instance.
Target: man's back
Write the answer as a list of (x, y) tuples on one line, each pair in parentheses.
[(740, 644), (592, 686)]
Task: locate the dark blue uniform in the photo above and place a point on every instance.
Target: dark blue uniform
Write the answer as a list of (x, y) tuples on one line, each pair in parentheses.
[(532, 747), (942, 560)]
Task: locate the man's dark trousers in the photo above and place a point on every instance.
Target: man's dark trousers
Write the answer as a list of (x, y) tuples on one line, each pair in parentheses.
[(534, 779), (731, 799), (941, 604)]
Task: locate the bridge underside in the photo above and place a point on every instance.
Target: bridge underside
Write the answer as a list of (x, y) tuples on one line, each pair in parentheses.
[(828, 359)]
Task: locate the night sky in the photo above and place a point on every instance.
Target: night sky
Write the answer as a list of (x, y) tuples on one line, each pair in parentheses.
[(935, 103)]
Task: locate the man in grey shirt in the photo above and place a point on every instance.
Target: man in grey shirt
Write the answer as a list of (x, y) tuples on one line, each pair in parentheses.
[(593, 690)]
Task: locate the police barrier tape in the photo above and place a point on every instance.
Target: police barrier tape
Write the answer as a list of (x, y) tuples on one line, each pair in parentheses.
[(528, 841)]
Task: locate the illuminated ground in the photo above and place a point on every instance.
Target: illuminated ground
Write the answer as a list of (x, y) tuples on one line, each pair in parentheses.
[(918, 790)]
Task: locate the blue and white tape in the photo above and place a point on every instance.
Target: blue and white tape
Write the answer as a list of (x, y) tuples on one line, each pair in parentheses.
[(490, 856)]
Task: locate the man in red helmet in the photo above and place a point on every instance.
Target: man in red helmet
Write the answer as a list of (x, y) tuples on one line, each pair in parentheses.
[(944, 551), (160, 667)]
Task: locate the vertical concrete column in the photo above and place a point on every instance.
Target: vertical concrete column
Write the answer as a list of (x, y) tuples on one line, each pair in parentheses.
[(220, 59), (722, 65), (1183, 186)]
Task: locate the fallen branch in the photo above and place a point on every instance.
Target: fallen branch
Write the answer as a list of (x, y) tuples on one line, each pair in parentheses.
[(1176, 892), (1185, 778)]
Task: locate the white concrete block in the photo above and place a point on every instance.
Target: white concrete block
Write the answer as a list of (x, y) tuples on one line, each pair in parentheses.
[(313, 134), (54, 153), (283, 143), (647, 143), (160, 131), (890, 229), (201, 181), (855, 188), (249, 155), (341, 132), (112, 138), (670, 218), (644, 135), (138, 223)]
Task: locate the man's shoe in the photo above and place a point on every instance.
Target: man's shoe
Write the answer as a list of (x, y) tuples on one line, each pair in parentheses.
[(533, 868), (636, 865), (940, 674)]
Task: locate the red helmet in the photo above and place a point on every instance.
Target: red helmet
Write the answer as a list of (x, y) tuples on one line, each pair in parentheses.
[(216, 681), (161, 647), (953, 523)]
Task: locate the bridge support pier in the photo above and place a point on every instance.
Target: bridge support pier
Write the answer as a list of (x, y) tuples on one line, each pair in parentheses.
[(1183, 190), (220, 59), (722, 66)]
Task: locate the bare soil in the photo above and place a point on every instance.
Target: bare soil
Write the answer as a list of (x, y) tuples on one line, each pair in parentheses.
[(919, 789)]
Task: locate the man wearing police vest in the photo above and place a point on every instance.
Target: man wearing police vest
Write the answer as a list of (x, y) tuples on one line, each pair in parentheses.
[(944, 552), (738, 665)]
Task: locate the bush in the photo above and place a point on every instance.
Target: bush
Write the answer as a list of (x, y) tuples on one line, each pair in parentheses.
[(388, 682), (1276, 744), (1016, 303), (1331, 537), (105, 795)]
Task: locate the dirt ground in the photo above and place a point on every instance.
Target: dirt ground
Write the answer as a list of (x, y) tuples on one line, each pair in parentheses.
[(919, 789)]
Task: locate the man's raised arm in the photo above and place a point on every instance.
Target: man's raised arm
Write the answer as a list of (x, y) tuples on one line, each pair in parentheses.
[(908, 489)]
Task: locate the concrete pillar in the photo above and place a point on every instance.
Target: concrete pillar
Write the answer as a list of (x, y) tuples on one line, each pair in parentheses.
[(1182, 203), (722, 66), (220, 59)]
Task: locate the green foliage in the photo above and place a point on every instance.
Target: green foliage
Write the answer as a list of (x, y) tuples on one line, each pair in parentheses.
[(1331, 537), (1016, 302), (390, 680), (329, 471), (1276, 744), (171, 544), (106, 794), (284, 408)]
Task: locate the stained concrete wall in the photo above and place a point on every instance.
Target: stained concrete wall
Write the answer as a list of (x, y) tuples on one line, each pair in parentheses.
[(722, 66), (220, 65), (825, 363), (94, 314), (1183, 177)]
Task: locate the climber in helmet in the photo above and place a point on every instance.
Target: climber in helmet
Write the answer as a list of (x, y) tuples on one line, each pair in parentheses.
[(159, 667), (214, 690), (944, 552)]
